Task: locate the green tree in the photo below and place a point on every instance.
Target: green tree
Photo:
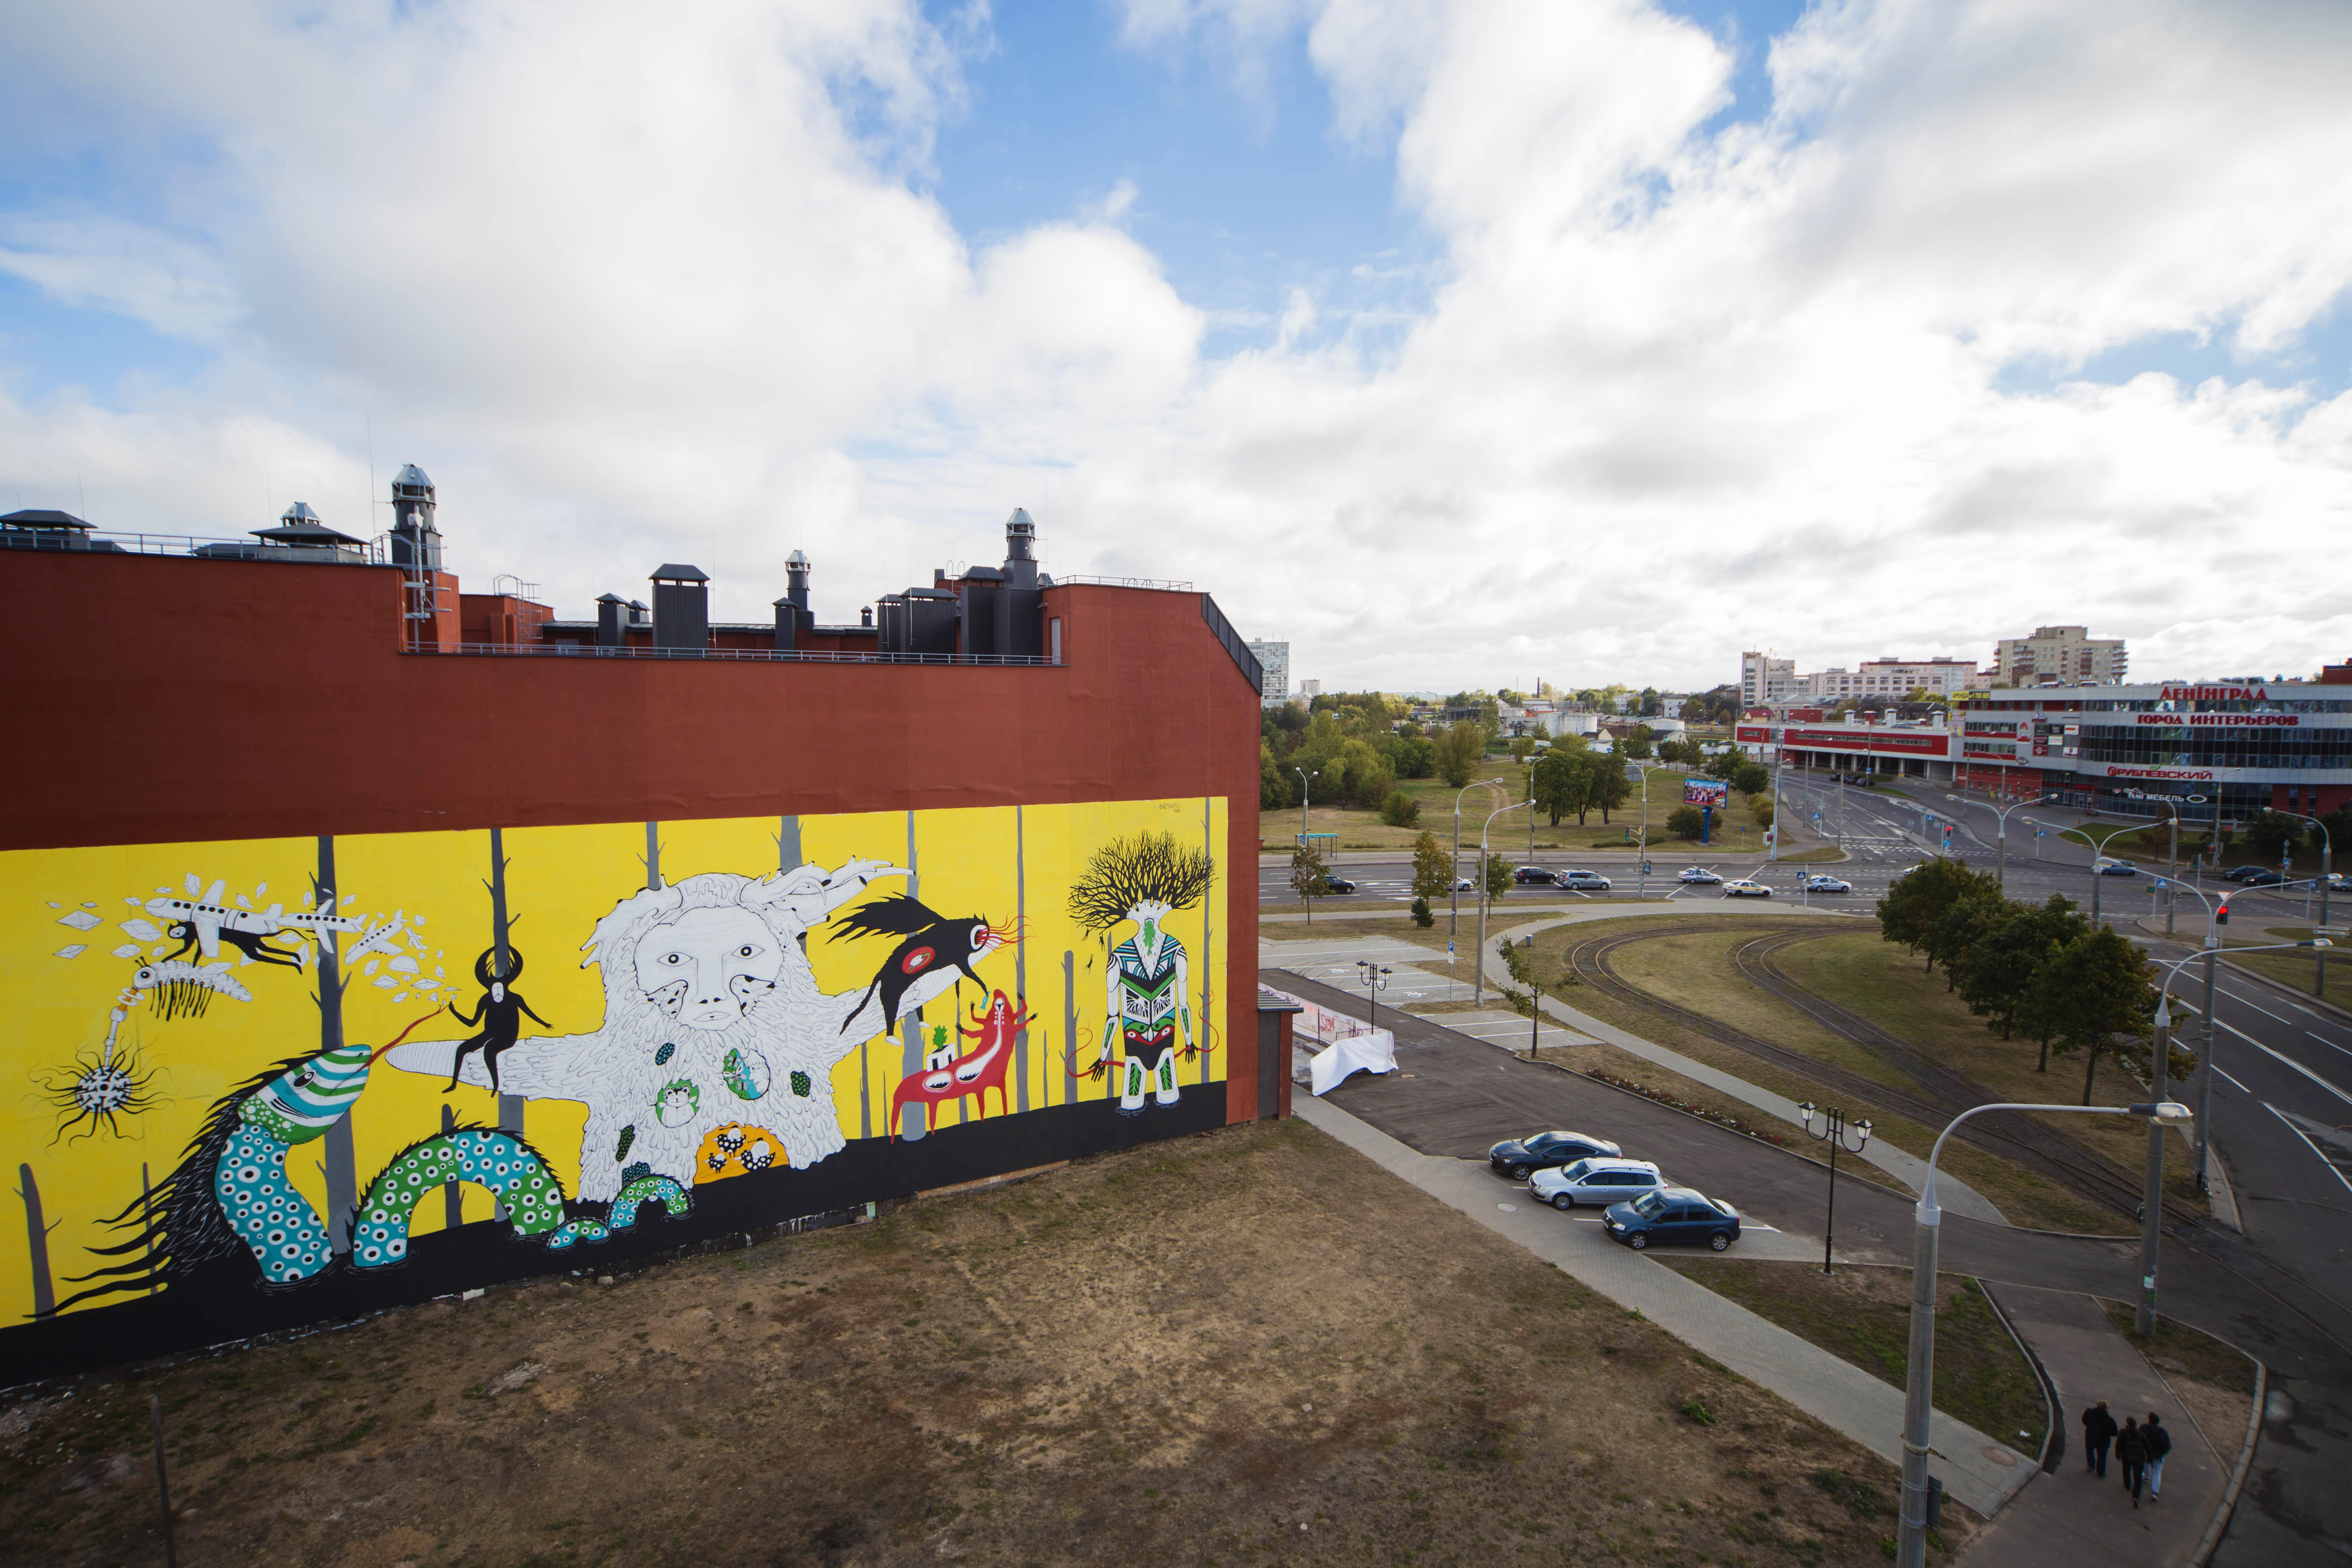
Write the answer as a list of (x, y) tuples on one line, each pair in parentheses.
[(1609, 788), (1433, 873), (1759, 807), (1638, 745), (1458, 752), (1916, 900), (1522, 747), (1998, 968), (1415, 757), (1422, 916), (1751, 778), (2090, 991), (1685, 822), (1955, 931), (1274, 791), (2268, 834), (1309, 877), (1562, 784), (1497, 874), (1401, 810)]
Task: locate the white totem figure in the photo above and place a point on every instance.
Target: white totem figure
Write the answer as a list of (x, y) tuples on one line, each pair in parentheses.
[(1148, 981)]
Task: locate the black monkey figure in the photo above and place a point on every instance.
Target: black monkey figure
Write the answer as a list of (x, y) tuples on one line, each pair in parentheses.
[(498, 1015), (254, 947)]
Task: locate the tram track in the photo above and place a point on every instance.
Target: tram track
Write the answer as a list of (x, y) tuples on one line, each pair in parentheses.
[(1936, 1095)]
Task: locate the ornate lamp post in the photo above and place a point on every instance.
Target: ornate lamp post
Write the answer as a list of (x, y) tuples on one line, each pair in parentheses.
[(1375, 977), (1834, 1131)]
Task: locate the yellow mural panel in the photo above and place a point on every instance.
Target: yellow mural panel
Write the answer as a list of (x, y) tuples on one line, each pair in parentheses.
[(216, 1045)]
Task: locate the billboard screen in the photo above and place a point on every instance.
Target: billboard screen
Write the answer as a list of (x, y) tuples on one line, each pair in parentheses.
[(1705, 792)]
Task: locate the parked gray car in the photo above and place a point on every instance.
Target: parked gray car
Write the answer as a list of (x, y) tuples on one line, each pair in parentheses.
[(1595, 1184)]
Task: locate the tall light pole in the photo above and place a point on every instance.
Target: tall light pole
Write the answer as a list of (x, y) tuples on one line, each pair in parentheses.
[(2001, 851), (2098, 856), (1479, 968), (2327, 879), (1779, 735), (1306, 787), (1642, 876), (1834, 1131), (1919, 1381), (1454, 911)]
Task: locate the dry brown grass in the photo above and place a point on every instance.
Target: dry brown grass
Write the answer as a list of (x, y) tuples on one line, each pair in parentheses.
[(1248, 1347)]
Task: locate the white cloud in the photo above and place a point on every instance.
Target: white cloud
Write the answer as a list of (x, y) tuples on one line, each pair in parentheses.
[(642, 285)]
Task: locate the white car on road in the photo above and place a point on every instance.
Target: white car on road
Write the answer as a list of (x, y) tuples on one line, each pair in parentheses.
[(1744, 887)]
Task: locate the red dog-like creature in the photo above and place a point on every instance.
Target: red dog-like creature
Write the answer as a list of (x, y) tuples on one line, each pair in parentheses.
[(976, 1073)]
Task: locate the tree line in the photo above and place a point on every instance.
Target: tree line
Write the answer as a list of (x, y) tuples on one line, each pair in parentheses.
[(2034, 970)]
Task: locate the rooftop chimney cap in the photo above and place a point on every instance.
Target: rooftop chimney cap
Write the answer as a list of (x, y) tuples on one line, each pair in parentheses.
[(298, 512), (610, 599), (796, 562), (674, 571)]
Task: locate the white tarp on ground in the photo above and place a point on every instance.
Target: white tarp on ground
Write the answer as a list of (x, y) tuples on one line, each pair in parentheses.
[(1352, 1046), (1372, 1051)]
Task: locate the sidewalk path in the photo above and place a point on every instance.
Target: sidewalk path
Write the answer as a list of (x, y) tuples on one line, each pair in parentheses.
[(2072, 1517), (1975, 1469)]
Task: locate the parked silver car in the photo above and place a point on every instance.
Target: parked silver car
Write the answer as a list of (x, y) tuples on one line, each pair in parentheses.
[(1595, 1184)]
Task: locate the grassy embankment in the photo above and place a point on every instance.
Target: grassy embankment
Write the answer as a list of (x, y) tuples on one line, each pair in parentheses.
[(1862, 1315), (1737, 832)]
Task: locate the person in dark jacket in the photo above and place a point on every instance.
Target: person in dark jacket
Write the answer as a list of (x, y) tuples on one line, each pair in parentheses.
[(2131, 1452), (2159, 1444), (2098, 1431)]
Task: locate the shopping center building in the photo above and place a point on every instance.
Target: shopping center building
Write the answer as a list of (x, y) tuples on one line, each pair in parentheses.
[(2222, 748)]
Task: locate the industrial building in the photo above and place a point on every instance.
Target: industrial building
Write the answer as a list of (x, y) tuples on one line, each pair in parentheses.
[(373, 938)]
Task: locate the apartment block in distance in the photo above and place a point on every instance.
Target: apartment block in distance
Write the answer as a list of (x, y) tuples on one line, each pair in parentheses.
[(1764, 679), (1274, 658), (1896, 678), (2059, 656)]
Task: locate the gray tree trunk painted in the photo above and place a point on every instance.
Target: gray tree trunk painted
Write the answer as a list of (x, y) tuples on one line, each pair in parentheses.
[(788, 843), (147, 1221), (510, 1105), (37, 1243), (1070, 1025), (338, 1161), (1020, 963), (912, 1122), (1202, 1021), (652, 857), (453, 1202)]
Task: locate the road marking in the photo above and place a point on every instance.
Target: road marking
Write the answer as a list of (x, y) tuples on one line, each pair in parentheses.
[(2288, 1061), (2240, 1088), (2310, 1145), (2331, 1045)]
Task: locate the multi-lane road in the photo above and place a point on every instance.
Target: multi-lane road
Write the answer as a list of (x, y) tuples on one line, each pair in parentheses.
[(2282, 1111)]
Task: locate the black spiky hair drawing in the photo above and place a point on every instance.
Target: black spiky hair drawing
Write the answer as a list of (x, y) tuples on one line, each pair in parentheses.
[(1148, 868)]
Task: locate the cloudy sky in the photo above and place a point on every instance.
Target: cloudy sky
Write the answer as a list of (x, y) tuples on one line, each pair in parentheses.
[(1582, 340)]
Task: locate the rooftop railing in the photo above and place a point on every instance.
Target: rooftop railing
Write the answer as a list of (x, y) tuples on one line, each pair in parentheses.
[(736, 655), (72, 541)]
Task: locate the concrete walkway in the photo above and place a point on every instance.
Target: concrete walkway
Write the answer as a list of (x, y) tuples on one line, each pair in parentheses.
[(1975, 1469), (2073, 1518)]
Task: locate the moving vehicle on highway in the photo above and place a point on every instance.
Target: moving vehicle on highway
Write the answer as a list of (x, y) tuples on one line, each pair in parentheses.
[(2117, 868), (1466, 884), (1817, 883), (1518, 1157), (1531, 874), (2240, 873), (1698, 877), (2264, 878), (1338, 884), (1673, 1213), (1596, 1182), (1746, 888), (1584, 881)]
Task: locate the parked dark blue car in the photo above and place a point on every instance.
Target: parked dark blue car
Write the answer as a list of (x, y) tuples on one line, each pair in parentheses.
[(1516, 1157), (1673, 1213)]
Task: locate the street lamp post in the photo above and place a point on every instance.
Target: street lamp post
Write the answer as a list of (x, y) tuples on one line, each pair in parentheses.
[(1375, 977), (1479, 968), (1306, 787), (1919, 1381), (2326, 882), (1454, 911), (1642, 876), (1833, 1132), (2099, 858), (2000, 841)]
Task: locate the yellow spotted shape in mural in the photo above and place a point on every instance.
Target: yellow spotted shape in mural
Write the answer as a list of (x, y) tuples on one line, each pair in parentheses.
[(736, 1150)]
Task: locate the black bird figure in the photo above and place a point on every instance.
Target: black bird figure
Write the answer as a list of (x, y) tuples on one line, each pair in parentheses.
[(935, 949)]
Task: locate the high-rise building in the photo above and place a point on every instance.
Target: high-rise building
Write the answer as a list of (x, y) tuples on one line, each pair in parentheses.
[(2059, 656), (1764, 680), (1894, 678), (1274, 658)]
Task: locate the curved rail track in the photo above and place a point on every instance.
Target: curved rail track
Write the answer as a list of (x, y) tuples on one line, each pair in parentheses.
[(1935, 1093)]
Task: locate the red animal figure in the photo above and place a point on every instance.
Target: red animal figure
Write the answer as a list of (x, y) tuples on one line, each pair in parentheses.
[(976, 1073)]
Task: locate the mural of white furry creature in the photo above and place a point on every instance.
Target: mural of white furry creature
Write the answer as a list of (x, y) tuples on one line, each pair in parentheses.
[(712, 1016)]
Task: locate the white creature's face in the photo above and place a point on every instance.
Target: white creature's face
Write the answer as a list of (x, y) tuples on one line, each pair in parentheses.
[(1152, 917), (706, 968)]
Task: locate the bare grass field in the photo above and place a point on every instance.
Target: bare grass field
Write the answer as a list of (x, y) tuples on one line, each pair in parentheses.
[(1248, 1347)]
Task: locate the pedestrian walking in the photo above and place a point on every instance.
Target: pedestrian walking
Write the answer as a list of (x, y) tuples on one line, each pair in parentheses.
[(2098, 1431), (2159, 1444), (2131, 1452)]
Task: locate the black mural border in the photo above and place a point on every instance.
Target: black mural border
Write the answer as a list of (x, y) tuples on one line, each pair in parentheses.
[(223, 1302)]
